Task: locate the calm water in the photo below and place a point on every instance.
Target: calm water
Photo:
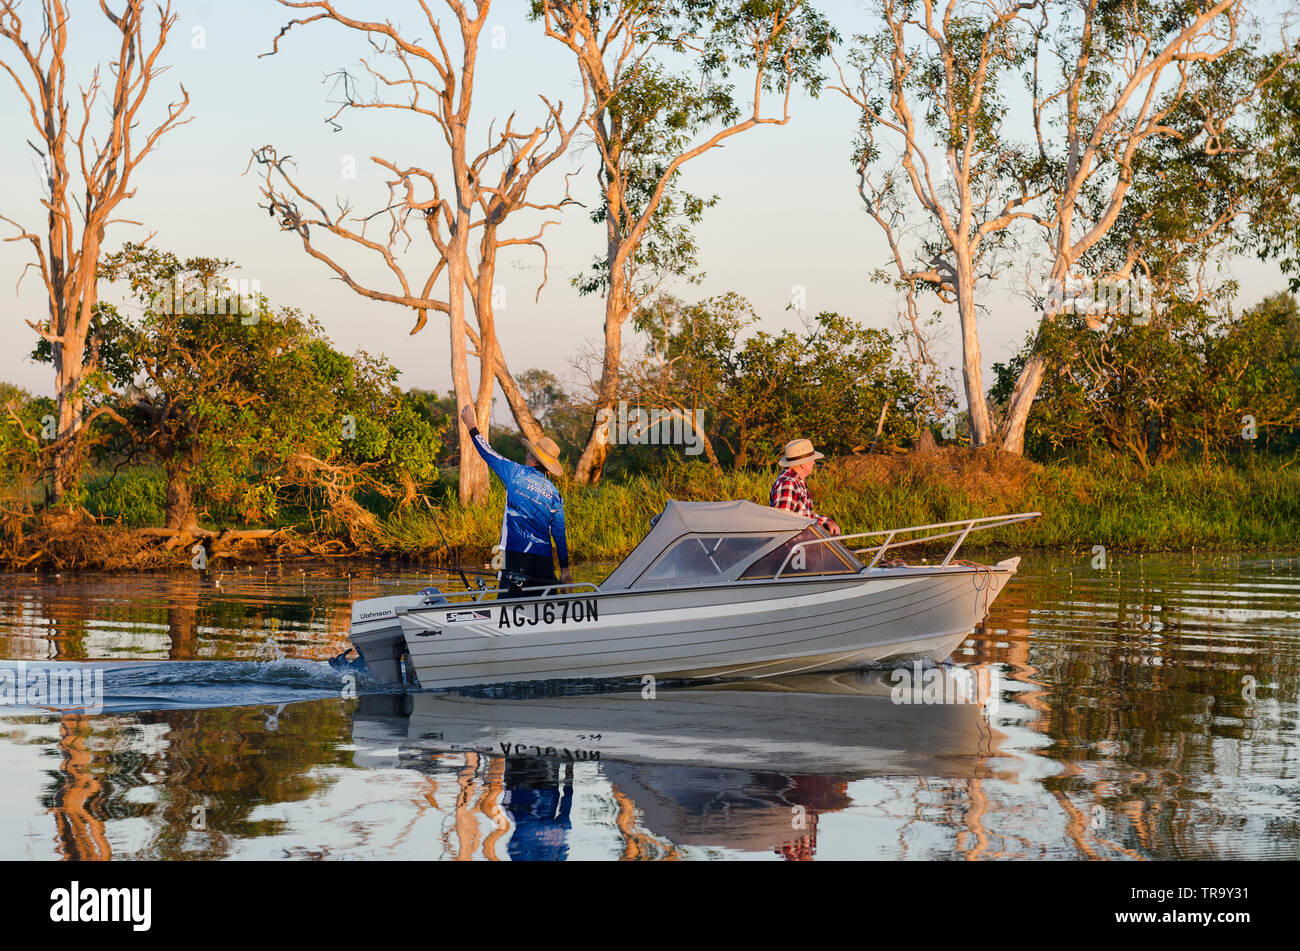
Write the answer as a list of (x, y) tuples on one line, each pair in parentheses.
[(1139, 712)]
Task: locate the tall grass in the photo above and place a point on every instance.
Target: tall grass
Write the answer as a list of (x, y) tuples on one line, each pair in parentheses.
[(1175, 506), (136, 497)]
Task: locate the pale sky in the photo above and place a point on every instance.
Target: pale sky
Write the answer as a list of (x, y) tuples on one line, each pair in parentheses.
[(789, 213)]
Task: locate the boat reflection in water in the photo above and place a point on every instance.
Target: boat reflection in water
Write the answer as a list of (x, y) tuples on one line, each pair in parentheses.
[(748, 766)]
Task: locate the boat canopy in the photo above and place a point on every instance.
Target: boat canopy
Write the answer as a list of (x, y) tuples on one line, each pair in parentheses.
[(708, 541)]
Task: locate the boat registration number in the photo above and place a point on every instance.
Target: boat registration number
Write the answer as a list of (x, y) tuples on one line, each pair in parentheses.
[(549, 612)]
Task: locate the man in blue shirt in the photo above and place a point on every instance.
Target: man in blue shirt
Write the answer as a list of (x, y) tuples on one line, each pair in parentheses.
[(534, 513)]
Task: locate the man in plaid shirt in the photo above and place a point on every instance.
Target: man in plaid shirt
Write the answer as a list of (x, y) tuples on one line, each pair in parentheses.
[(790, 490)]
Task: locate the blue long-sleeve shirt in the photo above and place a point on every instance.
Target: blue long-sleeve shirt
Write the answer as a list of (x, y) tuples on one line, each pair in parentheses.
[(534, 507)]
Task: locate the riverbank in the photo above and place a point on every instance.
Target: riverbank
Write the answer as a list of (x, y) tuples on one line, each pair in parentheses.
[(1177, 506)]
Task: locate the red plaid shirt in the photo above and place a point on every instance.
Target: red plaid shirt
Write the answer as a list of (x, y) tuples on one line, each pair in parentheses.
[(790, 492)]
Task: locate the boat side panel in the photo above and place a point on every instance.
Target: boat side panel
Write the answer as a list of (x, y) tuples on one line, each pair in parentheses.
[(713, 632)]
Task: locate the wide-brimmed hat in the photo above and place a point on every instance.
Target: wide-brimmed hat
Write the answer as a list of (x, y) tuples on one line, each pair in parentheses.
[(547, 453), (799, 451)]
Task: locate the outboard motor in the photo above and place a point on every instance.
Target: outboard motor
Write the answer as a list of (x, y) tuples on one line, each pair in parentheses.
[(377, 636)]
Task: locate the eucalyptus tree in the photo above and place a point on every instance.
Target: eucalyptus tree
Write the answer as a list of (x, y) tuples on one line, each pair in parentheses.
[(1122, 90), (431, 83), (1073, 121), (661, 73), (89, 157), (939, 168)]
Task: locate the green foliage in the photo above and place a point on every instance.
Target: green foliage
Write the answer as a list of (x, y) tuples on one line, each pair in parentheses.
[(1275, 217), (111, 364), (248, 409), (137, 497), (1185, 382), (21, 416), (828, 382)]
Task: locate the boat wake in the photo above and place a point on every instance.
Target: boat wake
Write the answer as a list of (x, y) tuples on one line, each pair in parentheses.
[(123, 687)]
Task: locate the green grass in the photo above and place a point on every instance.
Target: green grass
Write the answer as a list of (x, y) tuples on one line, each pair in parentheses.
[(136, 497)]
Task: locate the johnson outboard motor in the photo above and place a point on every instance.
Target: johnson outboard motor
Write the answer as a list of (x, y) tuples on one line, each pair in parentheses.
[(378, 639)]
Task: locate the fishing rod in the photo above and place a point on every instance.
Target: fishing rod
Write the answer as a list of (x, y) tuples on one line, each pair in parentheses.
[(438, 525)]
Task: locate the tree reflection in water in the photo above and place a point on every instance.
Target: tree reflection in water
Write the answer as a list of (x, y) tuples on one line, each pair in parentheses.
[(1125, 731)]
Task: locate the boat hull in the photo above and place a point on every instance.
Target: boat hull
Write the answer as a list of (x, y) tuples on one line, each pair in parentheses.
[(745, 630)]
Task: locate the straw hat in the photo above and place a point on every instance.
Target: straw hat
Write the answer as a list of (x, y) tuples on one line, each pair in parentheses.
[(799, 451), (547, 453)]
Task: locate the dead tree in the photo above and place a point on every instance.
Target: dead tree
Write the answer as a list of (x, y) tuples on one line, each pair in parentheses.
[(88, 174), (433, 84)]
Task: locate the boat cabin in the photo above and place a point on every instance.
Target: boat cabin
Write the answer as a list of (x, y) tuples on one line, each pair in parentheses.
[(706, 542)]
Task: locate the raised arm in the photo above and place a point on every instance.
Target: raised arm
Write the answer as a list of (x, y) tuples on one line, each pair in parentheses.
[(498, 463)]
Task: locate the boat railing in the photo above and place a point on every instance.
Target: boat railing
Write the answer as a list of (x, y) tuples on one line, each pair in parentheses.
[(960, 528), (481, 594)]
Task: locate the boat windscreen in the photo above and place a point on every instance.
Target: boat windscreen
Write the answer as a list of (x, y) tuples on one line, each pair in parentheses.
[(825, 558), (705, 557)]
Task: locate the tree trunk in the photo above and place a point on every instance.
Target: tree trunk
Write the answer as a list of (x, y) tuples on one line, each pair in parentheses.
[(69, 373), (487, 347), (1022, 398), (1012, 434), (709, 452), (741, 460), (592, 462), (473, 471), (524, 418), (67, 384), (972, 372), (180, 510)]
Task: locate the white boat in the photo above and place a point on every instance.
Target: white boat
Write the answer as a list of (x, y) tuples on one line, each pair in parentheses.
[(714, 590)]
